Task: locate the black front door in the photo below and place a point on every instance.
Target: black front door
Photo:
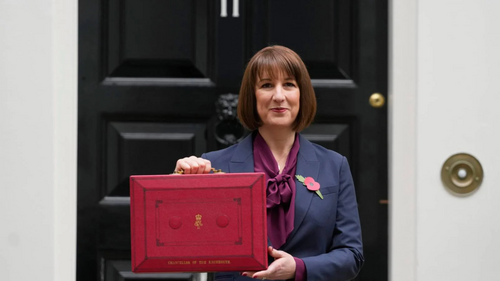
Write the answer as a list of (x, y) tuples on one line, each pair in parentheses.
[(151, 73)]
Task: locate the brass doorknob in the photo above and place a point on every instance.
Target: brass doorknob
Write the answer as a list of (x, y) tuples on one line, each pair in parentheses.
[(377, 100), (462, 173)]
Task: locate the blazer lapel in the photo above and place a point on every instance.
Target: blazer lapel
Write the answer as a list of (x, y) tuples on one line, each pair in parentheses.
[(307, 166), (242, 160)]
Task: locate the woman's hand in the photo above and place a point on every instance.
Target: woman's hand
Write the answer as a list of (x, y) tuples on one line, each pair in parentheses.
[(193, 165), (282, 268)]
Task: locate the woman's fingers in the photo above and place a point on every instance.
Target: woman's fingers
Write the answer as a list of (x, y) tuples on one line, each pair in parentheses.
[(208, 166), (182, 165), (193, 165), (247, 273), (282, 268), (199, 165)]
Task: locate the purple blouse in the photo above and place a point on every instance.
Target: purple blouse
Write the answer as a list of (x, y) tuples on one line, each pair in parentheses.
[(280, 194)]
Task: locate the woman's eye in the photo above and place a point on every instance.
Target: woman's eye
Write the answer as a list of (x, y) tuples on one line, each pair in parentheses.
[(266, 85), (289, 84)]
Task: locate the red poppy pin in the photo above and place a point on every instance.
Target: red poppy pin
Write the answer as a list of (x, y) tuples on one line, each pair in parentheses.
[(311, 184)]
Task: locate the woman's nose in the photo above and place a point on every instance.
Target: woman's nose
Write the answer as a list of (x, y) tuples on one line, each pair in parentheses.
[(279, 94)]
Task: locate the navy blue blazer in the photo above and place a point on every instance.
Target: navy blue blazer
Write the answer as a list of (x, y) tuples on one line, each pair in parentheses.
[(327, 233)]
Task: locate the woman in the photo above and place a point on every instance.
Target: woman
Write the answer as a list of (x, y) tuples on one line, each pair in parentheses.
[(314, 235)]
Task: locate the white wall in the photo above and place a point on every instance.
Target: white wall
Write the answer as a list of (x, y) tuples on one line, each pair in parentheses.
[(451, 107), (402, 139), (38, 127)]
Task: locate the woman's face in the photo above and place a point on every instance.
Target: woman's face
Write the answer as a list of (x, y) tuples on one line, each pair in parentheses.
[(278, 100)]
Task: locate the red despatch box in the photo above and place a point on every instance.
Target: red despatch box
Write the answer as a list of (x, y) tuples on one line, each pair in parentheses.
[(198, 223)]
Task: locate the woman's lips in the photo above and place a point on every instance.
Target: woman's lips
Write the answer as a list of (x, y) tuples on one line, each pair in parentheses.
[(278, 109)]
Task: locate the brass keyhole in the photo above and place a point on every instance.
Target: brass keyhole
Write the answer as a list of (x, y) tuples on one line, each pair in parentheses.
[(377, 100)]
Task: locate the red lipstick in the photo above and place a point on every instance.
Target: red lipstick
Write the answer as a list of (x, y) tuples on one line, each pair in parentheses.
[(278, 109)]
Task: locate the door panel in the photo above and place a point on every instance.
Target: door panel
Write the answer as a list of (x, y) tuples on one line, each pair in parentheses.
[(119, 270), (140, 35), (147, 148), (319, 31), (332, 136), (152, 72)]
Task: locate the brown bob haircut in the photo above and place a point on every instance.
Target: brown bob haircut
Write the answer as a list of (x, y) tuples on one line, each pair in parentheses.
[(273, 61)]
